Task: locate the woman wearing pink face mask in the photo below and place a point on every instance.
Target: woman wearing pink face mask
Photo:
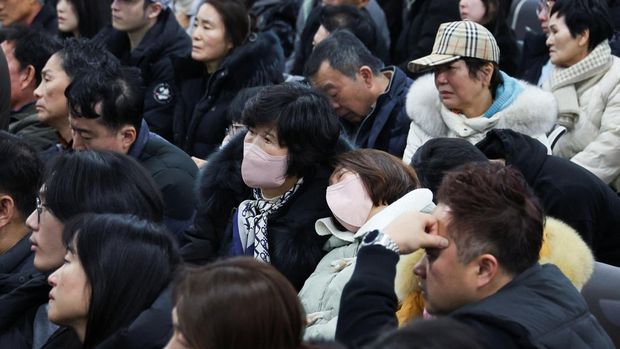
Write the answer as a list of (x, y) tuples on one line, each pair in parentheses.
[(362, 186), (261, 193)]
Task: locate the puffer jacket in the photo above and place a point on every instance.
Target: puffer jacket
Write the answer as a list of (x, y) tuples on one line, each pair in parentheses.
[(593, 141), (322, 291)]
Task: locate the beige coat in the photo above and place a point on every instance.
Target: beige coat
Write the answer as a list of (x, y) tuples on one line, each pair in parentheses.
[(594, 140)]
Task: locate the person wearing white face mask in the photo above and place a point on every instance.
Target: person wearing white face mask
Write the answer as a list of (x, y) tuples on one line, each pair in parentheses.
[(367, 189), (261, 193)]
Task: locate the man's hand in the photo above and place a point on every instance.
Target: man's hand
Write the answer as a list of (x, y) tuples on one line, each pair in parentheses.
[(414, 230)]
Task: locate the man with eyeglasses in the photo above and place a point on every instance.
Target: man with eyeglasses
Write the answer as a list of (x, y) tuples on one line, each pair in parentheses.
[(22, 288), (535, 64)]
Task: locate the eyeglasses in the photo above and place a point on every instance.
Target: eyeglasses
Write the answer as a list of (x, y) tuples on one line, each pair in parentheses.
[(544, 7), (40, 207)]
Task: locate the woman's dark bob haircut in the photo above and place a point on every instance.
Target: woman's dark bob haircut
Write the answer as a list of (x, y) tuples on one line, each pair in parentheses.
[(100, 182), (128, 261), (238, 303), (306, 124), (582, 15)]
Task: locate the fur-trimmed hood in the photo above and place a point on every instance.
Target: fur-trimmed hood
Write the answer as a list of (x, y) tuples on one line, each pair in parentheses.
[(562, 246), (533, 112)]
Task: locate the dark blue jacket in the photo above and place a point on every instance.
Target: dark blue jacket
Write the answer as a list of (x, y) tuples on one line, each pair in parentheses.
[(387, 126)]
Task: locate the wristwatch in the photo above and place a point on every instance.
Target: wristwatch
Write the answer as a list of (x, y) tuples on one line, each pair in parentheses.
[(377, 237)]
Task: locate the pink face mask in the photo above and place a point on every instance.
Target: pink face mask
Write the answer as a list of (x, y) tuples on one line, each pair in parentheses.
[(349, 202), (261, 170)]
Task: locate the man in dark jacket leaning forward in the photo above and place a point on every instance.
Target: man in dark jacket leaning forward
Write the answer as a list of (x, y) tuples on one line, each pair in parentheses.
[(482, 246)]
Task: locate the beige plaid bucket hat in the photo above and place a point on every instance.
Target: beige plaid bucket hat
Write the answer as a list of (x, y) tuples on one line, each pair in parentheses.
[(455, 40)]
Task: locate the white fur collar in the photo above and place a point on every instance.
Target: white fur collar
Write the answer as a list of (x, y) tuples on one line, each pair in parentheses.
[(533, 112)]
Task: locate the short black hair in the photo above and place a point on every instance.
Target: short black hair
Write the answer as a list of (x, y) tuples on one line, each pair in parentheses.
[(581, 15), (344, 52), (83, 56), (114, 96), (100, 182), (306, 124), (20, 174), (475, 65), (353, 19), (31, 47), (236, 106), (439, 155)]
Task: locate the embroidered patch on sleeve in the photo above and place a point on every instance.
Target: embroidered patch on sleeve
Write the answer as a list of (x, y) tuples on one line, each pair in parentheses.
[(162, 93)]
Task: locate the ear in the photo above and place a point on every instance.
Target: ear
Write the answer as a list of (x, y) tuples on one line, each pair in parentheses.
[(7, 210), (487, 269), (153, 10), (28, 76), (362, 3), (583, 38), (486, 73), (366, 74), (128, 136)]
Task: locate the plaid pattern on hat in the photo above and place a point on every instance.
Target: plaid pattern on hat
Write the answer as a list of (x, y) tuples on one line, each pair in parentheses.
[(455, 40)]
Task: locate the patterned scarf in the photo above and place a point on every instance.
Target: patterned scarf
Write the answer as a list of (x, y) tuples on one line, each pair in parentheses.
[(563, 80), (252, 220)]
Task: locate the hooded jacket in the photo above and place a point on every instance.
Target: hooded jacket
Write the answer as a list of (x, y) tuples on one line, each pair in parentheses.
[(200, 112), (531, 111), (165, 40), (294, 247), (566, 190)]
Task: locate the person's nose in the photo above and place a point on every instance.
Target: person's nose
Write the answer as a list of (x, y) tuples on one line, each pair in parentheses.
[(420, 268)]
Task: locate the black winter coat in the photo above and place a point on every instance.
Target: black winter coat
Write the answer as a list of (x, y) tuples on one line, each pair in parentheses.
[(566, 190), (539, 308), (535, 56), (294, 247), (200, 114), (420, 28), (22, 290), (174, 172), (164, 41)]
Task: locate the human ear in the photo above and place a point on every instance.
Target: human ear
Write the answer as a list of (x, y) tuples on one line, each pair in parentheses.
[(128, 137), (7, 210), (487, 269), (28, 75), (365, 72), (153, 10), (583, 38)]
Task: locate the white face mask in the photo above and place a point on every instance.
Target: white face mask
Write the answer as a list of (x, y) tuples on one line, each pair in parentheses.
[(349, 202), (261, 170)]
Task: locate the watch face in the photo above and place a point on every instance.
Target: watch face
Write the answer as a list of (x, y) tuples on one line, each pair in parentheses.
[(370, 237)]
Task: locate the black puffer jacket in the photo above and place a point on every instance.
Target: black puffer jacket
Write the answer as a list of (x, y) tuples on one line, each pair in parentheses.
[(566, 190), (165, 40), (200, 113), (535, 56), (294, 246)]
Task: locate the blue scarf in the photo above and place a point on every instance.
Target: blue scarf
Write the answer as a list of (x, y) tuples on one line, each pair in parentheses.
[(505, 94)]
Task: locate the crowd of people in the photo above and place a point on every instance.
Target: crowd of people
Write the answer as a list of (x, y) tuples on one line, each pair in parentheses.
[(305, 174)]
